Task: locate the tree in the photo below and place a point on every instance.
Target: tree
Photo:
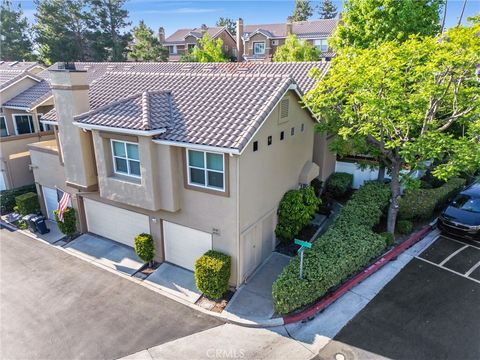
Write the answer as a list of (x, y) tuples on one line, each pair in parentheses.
[(327, 10), (207, 50), (412, 103), (296, 50), (229, 24), (146, 46), (302, 11), (110, 18), (14, 29), (368, 23)]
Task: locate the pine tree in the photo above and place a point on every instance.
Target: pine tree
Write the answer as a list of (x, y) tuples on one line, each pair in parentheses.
[(327, 10), (229, 24), (302, 11), (15, 44), (146, 46)]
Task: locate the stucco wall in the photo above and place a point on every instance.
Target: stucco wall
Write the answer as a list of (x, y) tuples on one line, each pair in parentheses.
[(15, 89)]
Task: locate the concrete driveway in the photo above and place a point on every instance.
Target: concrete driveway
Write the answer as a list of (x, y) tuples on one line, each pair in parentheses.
[(55, 306)]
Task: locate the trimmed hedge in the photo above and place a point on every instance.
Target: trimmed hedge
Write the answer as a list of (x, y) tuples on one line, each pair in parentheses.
[(420, 204), (69, 224), (212, 271), (27, 203), (145, 247), (404, 226), (338, 184), (347, 246), (7, 197)]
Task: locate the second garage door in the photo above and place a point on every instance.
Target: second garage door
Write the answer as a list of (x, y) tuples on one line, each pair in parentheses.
[(184, 245), (115, 223)]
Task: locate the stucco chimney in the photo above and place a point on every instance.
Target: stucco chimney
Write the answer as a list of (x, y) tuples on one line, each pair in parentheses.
[(161, 35), (289, 25), (239, 39), (70, 95)]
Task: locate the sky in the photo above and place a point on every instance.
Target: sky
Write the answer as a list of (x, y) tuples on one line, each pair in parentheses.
[(176, 14)]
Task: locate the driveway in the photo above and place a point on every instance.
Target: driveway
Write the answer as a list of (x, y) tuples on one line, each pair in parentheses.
[(428, 311), (55, 306)]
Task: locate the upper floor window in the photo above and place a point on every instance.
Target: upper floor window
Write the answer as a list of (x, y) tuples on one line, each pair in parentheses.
[(23, 124), (190, 47), (321, 44), (126, 160), (206, 170), (259, 48), (43, 127), (172, 49), (3, 127)]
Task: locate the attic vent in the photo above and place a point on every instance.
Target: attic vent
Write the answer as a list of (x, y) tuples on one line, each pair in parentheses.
[(284, 108)]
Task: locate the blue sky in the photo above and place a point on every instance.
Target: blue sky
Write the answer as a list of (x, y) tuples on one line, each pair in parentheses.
[(184, 14)]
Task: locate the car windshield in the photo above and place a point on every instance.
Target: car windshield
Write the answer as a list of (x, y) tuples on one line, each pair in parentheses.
[(467, 203)]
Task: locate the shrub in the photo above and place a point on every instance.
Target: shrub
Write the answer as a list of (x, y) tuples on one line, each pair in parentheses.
[(389, 238), (69, 224), (296, 210), (145, 247), (338, 184), (7, 197), (317, 185), (27, 203), (212, 271), (404, 226), (421, 203)]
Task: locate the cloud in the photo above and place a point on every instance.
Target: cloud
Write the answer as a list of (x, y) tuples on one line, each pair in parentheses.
[(184, 10)]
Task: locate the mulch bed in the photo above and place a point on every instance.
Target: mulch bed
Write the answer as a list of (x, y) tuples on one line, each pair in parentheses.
[(305, 234), (146, 270), (215, 305)]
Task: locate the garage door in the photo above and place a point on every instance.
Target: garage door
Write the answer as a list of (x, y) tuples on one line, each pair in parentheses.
[(115, 223), (50, 198), (184, 245)]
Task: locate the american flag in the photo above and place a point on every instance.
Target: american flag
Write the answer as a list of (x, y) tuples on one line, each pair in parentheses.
[(63, 198)]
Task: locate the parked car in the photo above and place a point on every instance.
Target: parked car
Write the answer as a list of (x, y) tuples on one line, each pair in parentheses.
[(462, 215)]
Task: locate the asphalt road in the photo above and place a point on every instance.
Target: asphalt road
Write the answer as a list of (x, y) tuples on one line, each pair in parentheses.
[(55, 306)]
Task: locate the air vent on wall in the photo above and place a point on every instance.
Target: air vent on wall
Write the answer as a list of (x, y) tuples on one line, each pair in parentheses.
[(284, 108)]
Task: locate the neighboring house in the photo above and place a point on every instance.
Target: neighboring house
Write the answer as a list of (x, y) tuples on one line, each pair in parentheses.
[(198, 155), (184, 40), (19, 122)]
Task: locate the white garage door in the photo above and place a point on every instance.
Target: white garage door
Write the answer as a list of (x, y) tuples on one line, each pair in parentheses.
[(184, 245), (115, 223), (50, 198), (3, 186)]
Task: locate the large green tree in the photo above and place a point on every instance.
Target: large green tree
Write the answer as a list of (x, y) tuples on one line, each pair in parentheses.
[(368, 23), (228, 23), (327, 10), (413, 103), (146, 46), (302, 10), (296, 50), (207, 50), (14, 31)]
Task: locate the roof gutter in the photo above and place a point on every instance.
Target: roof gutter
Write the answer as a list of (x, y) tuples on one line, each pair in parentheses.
[(119, 130), (198, 146)]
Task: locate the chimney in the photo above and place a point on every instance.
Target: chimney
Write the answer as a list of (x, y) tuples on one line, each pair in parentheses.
[(289, 25), (161, 35), (239, 38), (70, 95), (204, 27)]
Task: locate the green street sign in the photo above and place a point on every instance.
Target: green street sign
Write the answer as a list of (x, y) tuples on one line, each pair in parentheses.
[(305, 244)]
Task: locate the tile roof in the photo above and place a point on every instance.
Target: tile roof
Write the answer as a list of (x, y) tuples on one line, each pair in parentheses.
[(180, 35), (10, 76), (303, 29), (18, 65)]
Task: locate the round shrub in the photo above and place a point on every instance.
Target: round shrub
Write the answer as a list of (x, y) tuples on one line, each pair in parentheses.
[(69, 224), (212, 271), (145, 247), (389, 238), (338, 184), (404, 226)]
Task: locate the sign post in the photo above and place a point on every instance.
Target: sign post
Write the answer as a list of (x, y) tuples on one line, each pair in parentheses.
[(303, 245)]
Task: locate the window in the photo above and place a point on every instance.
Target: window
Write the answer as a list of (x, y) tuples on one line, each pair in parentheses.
[(206, 169), (292, 131), (269, 140), (255, 145), (190, 47), (172, 49), (43, 127), (3, 127), (274, 42), (23, 124), (126, 160), (282, 135), (302, 127), (259, 48), (321, 44)]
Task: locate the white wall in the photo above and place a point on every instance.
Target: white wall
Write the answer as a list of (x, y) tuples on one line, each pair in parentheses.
[(359, 175)]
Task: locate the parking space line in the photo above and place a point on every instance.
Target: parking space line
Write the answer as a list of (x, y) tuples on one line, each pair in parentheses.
[(452, 255), (472, 269), (452, 271), (461, 242)]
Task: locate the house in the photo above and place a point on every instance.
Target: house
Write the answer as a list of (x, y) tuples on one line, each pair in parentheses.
[(19, 125), (198, 155), (184, 40)]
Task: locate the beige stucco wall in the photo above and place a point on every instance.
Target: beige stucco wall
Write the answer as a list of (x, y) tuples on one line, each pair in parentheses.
[(16, 88)]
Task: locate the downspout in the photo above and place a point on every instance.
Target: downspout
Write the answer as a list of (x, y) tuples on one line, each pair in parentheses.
[(239, 275)]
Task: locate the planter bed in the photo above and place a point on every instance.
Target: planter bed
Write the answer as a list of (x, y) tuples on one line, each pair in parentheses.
[(146, 270), (217, 305)]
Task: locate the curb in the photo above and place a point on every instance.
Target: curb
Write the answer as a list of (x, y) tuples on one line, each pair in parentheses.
[(329, 299)]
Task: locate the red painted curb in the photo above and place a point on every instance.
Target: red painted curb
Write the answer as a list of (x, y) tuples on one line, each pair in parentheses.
[(330, 298)]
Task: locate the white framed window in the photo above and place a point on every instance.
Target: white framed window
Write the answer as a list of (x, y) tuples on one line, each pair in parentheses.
[(206, 169), (23, 124), (43, 127), (3, 126), (321, 44), (259, 48), (172, 49), (126, 159)]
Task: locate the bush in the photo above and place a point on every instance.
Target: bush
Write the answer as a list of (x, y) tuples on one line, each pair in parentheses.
[(421, 203), (389, 238), (317, 185), (27, 203), (404, 226), (212, 271), (7, 197), (347, 246), (69, 224), (296, 210), (338, 184), (145, 247)]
